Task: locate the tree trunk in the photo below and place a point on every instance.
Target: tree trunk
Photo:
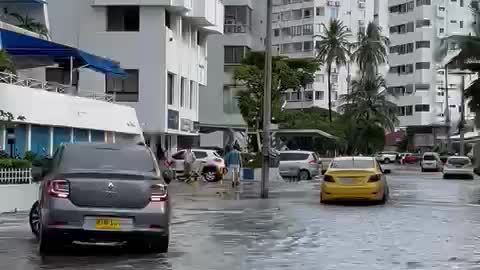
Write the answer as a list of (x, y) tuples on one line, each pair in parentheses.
[(329, 72)]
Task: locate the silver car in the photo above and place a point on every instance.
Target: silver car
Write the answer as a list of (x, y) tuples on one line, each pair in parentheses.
[(301, 164), (103, 193)]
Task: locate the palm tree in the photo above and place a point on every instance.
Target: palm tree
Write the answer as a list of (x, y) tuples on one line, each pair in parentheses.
[(6, 63), (333, 48), (370, 50), (368, 103), (29, 23)]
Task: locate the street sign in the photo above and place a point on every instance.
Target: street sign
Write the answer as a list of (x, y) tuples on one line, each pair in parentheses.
[(11, 136)]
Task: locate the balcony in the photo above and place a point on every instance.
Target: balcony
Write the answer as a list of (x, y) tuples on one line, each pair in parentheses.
[(203, 12), (173, 5), (12, 79), (236, 28)]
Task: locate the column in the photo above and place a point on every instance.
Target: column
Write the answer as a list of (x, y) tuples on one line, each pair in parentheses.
[(89, 135), (72, 135), (29, 138), (50, 141)]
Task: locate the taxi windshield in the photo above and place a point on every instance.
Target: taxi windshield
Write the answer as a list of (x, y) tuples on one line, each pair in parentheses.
[(352, 164)]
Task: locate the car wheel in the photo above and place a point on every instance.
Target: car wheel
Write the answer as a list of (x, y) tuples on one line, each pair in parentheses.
[(160, 245), (303, 175), (386, 161), (34, 219), (210, 176), (385, 196)]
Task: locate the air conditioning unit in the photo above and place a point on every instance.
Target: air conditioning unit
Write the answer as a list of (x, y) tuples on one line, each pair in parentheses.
[(337, 3)]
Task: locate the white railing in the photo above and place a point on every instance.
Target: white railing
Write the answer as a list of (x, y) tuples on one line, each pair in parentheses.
[(13, 79), (15, 176)]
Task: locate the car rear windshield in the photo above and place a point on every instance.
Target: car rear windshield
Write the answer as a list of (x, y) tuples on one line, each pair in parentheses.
[(293, 156), (458, 161), (107, 159), (428, 157), (352, 164)]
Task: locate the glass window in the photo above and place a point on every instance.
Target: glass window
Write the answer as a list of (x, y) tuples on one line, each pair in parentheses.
[(124, 89), (200, 154), (320, 11), (183, 85), (423, 23), (193, 87), (276, 32), (123, 18), (60, 135), (423, 44), (409, 110), (333, 13), (170, 88), (297, 30), (458, 161), (422, 108), (319, 78), (80, 135), (423, 3), (297, 14), (293, 156), (61, 76), (308, 29), (308, 46), (352, 164), (319, 95), (98, 135), (40, 140), (422, 65), (234, 54)]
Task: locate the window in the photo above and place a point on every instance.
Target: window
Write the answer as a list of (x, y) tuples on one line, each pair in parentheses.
[(308, 95), (308, 29), (453, 21), (333, 13), (334, 78), (423, 3), (123, 18), (334, 95), (422, 86), (275, 17), (422, 65), (193, 88), (409, 110), (442, 30), (297, 14), (276, 32), (168, 19), (285, 16), (410, 27), (238, 19), (461, 24), (170, 88), (61, 76), (200, 154), (234, 54), (320, 11), (297, 30), (409, 47), (422, 108), (307, 13), (125, 89), (423, 44), (293, 156), (319, 95), (308, 46), (423, 23), (183, 85), (320, 78), (462, 3), (401, 111)]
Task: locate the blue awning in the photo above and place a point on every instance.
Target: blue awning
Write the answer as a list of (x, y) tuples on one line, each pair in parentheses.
[(17, 44)]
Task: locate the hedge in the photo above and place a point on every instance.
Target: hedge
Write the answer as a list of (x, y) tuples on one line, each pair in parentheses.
[(15, 164)]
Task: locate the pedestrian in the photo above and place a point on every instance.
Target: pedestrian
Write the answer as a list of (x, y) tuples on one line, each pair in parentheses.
[(234, 161), (189, 159)]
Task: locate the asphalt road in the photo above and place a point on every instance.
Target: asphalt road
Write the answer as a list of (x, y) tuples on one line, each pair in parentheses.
[(429, 223)]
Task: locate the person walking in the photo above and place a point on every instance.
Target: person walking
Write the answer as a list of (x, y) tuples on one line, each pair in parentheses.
[(234, 163), (189, 159)]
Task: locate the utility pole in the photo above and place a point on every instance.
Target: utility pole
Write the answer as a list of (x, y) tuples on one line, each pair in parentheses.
[(267, 106), (447, 112), (462, 117)]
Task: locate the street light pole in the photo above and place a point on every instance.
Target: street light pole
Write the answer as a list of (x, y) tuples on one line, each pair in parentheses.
[(462, 117), (447, 112), (267, 106)]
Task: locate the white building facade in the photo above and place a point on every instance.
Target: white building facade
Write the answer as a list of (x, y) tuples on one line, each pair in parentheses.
[(162, 45), (417, 75), (244, 27), (297, 26)]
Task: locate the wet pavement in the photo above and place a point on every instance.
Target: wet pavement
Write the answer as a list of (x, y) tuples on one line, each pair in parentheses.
[(429, 223)]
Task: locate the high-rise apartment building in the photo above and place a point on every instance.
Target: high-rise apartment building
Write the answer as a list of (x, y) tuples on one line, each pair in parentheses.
[(417, 75), (297, 26), (244, 31)]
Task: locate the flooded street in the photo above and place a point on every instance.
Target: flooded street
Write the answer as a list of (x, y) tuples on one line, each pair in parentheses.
[(429, 223)]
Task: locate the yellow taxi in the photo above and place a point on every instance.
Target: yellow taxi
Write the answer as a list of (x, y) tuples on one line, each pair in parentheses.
[(354, 178)]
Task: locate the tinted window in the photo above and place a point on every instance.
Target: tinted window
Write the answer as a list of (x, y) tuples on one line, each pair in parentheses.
[(106, 159), (352, 164), (179, 155), (200, 154), (459, 161), (293, 156), (428, 157)]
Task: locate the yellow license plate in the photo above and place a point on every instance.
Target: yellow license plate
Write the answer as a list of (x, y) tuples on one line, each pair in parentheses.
[(107, 224)]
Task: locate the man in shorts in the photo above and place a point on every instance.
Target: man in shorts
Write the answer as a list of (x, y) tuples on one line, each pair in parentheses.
[(234, 161)]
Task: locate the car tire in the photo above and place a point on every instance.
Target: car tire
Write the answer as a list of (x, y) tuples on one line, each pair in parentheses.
[(210, 177), (34, 219), (386, 161), (386, 196), (160, 245), (303, 175)]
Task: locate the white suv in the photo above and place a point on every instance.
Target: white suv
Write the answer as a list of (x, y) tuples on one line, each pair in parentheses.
[(303, 165), (431, 162), (387, 157), (203, 158)]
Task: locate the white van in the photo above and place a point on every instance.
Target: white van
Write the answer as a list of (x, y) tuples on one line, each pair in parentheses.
[(431, 162)]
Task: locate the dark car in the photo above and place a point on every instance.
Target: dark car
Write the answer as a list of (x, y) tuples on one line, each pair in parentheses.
[(102, 193)]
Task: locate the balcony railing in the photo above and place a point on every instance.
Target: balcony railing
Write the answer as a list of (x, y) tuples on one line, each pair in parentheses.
[(13, 79), (236, 28)]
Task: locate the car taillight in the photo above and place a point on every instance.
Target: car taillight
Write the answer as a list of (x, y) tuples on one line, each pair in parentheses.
[(58, 188), (375, 178), (159, 193), (312, 162), (328, 178)]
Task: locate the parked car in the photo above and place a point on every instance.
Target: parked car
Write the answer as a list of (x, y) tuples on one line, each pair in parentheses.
[(102, 192), (431, 162), (458, 166), (301, 164), (387, 157), (409, 158), (207, 162)]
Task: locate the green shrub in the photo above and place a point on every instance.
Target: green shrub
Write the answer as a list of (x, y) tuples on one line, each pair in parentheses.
[(30, 156), (15, 164)]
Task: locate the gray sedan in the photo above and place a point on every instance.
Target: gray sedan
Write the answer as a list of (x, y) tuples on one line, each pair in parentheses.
[(103, 193)]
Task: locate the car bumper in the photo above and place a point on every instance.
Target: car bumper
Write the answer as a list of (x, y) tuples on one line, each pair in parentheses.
[(370, 191), (457, 171), (66, 234), (62, 217)]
